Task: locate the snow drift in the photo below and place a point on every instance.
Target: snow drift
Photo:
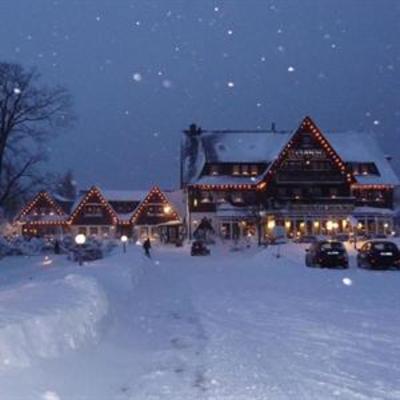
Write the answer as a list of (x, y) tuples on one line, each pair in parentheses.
[(46, 319)]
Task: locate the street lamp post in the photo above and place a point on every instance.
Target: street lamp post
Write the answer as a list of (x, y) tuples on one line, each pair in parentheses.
[(80, 240), (124, 240)]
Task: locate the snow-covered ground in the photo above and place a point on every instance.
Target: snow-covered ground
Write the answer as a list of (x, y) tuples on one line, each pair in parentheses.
[(242, 325)]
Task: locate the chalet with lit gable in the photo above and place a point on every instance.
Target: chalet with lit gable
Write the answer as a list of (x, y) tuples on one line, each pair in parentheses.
[(160, 217), (44, 215), (305, 182)]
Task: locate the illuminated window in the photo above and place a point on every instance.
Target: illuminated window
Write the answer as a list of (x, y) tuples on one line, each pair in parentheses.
[(245, 169), (237, 197), (221, 197), (297, 192), (236, 170), (333, 192), (254, 170), (214, 169), (364, 169)]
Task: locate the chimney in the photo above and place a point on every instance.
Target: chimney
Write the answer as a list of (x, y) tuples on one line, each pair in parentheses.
[(193, 130), (388, 157)]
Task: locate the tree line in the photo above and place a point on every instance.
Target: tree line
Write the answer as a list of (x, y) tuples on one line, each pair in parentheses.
[(31, 113)]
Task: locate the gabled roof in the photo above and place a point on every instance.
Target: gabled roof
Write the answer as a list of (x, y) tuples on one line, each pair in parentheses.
[(155, 190), (364, 147), (309, 126), (266, 147), (124, 195), (93, 191), (60, 214)]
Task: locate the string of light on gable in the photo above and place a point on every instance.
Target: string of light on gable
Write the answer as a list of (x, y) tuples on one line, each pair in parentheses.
[(94, 191), (309, 125), (29, 207), (146, 202)]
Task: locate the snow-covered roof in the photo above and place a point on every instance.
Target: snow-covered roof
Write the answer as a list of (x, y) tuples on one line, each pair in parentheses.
[(265, 147), (364, 147), (124, 195), (177, 200), (365, 211), (243, 146)]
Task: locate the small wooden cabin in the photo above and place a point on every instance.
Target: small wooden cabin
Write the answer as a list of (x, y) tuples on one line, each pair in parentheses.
[(44, 216)]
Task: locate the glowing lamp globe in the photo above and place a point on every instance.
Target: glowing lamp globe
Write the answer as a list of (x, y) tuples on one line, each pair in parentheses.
[(167, 210), (124, 238), (80, 239)]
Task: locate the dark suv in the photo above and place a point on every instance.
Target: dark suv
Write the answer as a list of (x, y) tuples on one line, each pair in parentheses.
[(199, 248), (327, 253), (378, 254)]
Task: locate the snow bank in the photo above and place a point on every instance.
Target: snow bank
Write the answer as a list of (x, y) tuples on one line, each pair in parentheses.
[(46, 319)]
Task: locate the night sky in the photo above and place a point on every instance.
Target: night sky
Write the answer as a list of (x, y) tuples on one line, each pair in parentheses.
[(141, 71)]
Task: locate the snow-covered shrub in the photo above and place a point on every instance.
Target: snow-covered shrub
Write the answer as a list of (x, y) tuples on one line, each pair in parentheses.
[(5, 247)]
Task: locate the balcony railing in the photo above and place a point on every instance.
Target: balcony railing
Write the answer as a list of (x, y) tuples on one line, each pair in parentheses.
[(309, 177)]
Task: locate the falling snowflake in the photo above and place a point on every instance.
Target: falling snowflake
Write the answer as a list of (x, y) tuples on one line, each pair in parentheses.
[(137, 77), (347, 281), (17, 90), (216, 9), (230, 32), (50, 395), (98, 18), (291, 69), (167, 84), (231, 84), (376, 122)]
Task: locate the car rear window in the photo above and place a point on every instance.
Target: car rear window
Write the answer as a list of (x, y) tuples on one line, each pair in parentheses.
[(327, 246), (384, 246)]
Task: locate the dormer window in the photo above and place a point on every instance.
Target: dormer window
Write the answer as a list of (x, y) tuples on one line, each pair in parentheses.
[(236, 169), (254, 170), (221, 198), (245, 169), (205, 198), (364, 169), (214, 170)]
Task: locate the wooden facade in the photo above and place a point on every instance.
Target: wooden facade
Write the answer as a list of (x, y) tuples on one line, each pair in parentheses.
[(43, 216), (157, 218)]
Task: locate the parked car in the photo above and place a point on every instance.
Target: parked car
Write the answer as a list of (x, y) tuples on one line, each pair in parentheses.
[(306, 239), (327, 253), (378, 254), (342, 237), (199, 248)]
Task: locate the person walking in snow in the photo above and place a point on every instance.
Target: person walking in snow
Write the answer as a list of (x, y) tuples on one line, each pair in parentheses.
[(147, 247), (57, 247)]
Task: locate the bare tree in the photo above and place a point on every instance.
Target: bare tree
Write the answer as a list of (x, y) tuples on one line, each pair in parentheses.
[(29, 113), (65, 185)]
